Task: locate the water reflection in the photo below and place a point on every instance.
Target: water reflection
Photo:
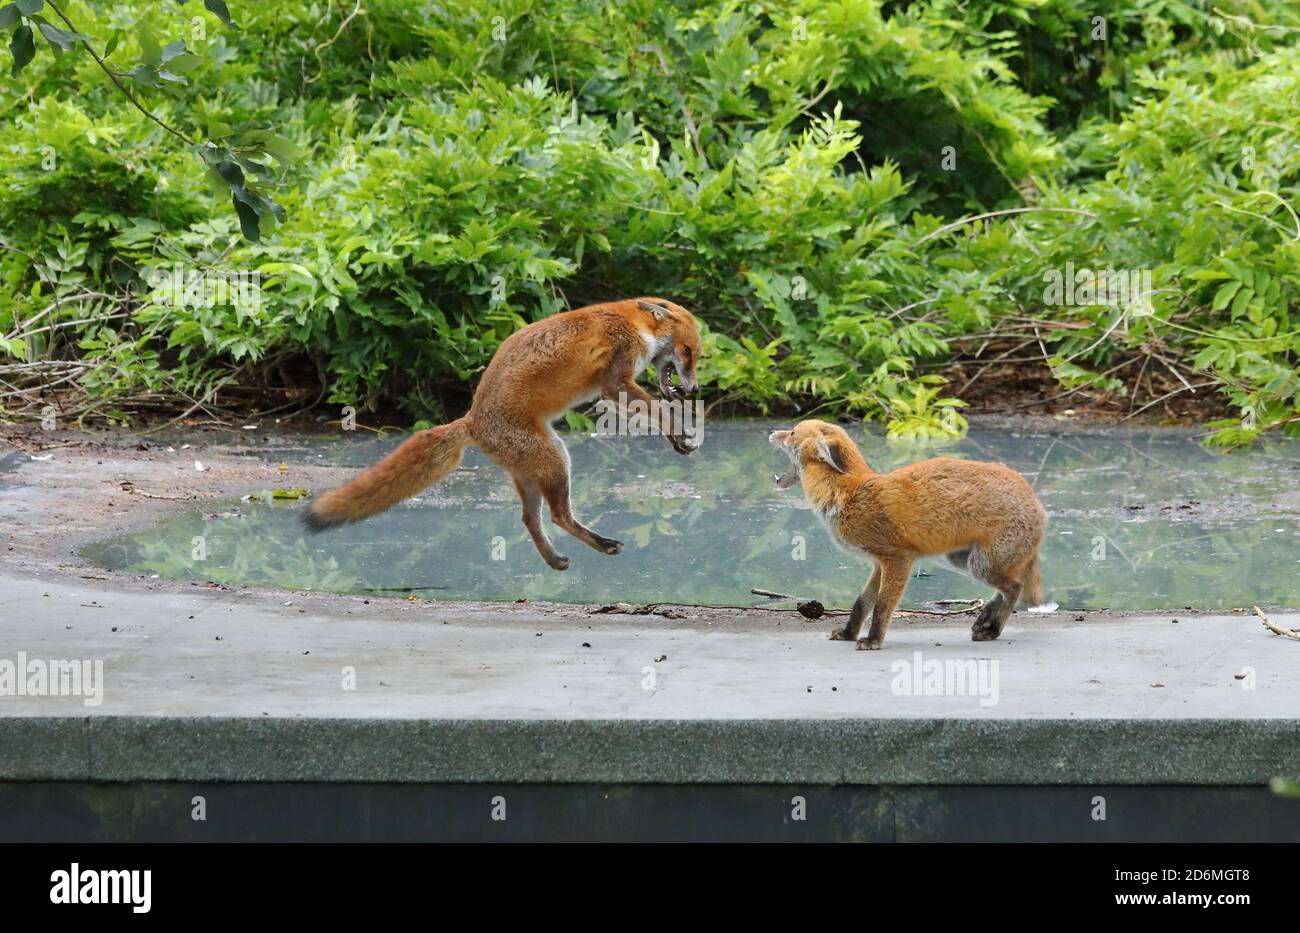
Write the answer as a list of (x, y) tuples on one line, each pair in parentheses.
[(1139, 519)]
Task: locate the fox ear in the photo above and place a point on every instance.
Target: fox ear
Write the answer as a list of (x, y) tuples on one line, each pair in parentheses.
[(659, 311), (829, 453)]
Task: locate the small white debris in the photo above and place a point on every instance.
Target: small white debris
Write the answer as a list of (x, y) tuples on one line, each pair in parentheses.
[(1045, 607), (200, 467), (46, 457)]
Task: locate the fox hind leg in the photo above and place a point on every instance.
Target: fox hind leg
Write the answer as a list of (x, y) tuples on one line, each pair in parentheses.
[(1009, 565), (554, 484), (993, 617), (531, 498)]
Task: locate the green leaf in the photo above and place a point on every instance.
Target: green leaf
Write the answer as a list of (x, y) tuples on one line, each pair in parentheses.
[(60, 37), (1224, 295), (14, 346), (149, 47), (173, 49), (30, 6), (212, 155), (293, 492), (231, 173), (248, 220), (23, 47), (283, 150), (184, 62), (113, 40), (1243, 298), (218, 8), (144, 75), (9, 16)]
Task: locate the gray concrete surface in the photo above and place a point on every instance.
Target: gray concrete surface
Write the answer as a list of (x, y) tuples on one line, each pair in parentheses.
[(229, 685)]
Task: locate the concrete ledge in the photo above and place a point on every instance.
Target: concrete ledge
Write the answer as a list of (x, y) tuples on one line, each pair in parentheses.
[(827, 752)]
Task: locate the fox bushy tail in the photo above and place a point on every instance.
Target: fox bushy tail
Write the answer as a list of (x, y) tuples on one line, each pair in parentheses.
[(421, 460)]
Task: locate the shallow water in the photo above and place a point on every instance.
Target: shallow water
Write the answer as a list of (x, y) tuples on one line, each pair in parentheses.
[(1138, 519)]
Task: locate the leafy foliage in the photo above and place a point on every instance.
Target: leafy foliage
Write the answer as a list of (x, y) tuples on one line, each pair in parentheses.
[(797, 173)]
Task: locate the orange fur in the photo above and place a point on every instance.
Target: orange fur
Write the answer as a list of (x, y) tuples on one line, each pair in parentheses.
[(984, 516), (538, 373)]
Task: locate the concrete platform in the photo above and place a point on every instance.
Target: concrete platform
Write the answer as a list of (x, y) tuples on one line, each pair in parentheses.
[(214, 685)]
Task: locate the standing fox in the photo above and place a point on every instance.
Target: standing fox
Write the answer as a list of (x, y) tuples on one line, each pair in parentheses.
[(983, 516), (537, 374)]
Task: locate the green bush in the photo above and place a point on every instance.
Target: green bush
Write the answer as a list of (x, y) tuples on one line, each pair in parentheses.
[(794, 172)]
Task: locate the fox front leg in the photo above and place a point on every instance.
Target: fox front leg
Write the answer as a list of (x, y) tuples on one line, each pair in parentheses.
[(893, 580), (863, 605), (680, 442)]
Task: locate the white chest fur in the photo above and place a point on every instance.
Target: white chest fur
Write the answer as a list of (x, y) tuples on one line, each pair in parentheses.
[(653, 345), (829, 513)]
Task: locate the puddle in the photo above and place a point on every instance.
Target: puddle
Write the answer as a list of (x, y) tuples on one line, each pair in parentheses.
[(1140, 519)]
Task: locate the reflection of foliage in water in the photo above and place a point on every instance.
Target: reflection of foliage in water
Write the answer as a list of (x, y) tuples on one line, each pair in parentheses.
[(246, 546), (707, 528)]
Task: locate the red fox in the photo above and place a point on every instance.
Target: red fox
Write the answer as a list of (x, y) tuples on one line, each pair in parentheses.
[(538, 373), (983, 517)]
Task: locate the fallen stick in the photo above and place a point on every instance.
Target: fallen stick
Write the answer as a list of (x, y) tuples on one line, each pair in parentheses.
[(1275, 628), (972, 605), (976, 606), (771, 595), (129, 487)]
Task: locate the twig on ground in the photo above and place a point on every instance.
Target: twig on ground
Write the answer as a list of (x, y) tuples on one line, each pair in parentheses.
[(129, 487), (975, 606), (771, 595), (1275, 628)]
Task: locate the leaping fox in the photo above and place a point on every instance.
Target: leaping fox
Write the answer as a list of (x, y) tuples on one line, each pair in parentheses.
[(537, 374), (983, 516)]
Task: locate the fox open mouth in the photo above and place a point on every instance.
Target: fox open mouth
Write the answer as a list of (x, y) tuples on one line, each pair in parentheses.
[(791, 476), (787, 479), (665, 367)]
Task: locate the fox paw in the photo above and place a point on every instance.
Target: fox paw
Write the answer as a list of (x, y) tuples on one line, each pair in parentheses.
[(559, 562), (610, 546), (984, 634), (841, 634), (870, 644)]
